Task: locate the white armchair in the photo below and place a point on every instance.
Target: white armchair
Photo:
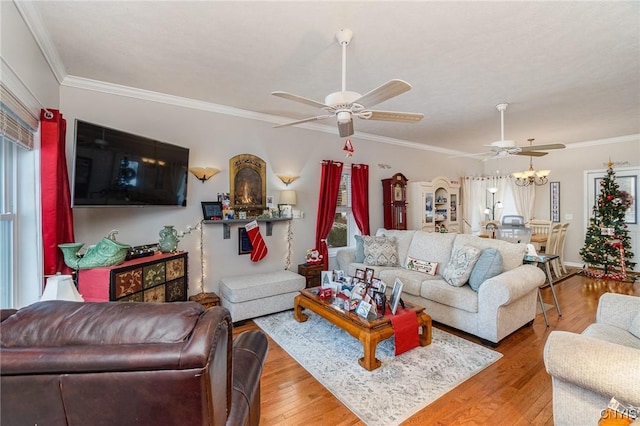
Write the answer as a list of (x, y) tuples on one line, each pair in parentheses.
[(588, 369)]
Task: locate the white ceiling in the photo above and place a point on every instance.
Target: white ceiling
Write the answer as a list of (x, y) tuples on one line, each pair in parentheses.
[(570, 71)]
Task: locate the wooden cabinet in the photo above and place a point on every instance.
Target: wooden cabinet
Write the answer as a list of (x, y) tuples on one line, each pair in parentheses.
[(434, 206), (311, 273), (394, 201), (158, 278)]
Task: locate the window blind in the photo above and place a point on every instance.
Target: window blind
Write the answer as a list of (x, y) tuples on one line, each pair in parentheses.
[(16, 122)]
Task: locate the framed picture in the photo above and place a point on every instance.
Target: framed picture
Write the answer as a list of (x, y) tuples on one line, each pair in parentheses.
[(244, 243), (395, 295), (363, 309), (368, 275), (360, 274), (285, 210), (338, 275), (326, 278), (212, 210), (555, 201), (248, 183)]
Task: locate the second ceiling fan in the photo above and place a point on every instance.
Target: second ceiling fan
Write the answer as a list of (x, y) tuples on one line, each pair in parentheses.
[(503, 148), (344, 105)]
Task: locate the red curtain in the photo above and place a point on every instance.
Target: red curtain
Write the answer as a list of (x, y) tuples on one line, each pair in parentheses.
[(360, 196), (57, 216), (327, 201)]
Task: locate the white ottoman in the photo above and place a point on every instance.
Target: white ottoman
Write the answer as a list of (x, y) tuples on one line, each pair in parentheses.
[(251, 296)]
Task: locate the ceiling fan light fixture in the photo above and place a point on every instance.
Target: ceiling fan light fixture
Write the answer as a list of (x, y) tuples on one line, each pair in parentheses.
[(343, 117)]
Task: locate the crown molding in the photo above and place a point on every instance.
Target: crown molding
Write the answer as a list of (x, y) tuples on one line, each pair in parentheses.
[(34, 22), (147, 95)]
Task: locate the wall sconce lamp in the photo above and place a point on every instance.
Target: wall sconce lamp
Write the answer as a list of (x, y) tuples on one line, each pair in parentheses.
[(287, 179), (204, 173)]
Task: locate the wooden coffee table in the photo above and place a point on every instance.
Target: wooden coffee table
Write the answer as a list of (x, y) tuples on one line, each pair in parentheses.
[(368, 332)]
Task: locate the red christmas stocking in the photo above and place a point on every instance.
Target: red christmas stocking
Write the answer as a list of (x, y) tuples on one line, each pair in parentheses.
[(259, 250)]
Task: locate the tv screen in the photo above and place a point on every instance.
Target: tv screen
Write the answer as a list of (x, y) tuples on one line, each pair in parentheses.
[(116, 168)]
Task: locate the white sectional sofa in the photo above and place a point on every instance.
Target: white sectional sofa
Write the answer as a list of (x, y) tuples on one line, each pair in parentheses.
[(501, 304)]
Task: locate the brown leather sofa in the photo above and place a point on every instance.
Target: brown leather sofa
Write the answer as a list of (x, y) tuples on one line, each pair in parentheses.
[(73, 363)]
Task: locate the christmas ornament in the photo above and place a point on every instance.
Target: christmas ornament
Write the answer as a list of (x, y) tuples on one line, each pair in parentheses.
[(348, 148)]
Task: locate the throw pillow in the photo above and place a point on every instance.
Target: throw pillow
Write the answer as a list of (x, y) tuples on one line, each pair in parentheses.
[(460, 265), (380, 251), (359, 249), (489, 265), (423, 266), (634, 328)]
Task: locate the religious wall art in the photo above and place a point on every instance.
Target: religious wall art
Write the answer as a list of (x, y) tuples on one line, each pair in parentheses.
[(248, 183)]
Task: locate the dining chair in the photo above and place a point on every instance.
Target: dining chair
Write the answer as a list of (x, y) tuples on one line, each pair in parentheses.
[(514, 234), (513, 220), (539, 232), (560, 246), (552, 246)]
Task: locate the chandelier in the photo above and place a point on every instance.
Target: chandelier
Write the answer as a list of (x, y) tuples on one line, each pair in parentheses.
[(531, 176)]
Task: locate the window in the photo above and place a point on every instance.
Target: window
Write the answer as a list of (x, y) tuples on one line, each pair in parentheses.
[(344, 226), (7, 221), (20, 236)]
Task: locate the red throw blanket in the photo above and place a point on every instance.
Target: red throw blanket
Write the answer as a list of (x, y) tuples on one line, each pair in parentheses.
[(405, 328)]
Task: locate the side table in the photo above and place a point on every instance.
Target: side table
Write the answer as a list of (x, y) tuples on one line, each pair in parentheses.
[(311, 274), (207, 300), (545, 259)]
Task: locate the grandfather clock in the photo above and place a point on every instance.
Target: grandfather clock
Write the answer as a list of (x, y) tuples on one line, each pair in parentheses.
[(394, 201)]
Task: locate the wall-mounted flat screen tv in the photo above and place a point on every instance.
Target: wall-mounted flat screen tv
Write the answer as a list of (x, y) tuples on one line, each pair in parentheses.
[(116, 168)]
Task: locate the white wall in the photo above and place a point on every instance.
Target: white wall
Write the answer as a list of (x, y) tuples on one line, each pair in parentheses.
[(213, 139)]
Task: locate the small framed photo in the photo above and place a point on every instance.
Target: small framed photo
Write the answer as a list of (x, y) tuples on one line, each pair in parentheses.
[(285, 210), (363, 309), (326, 277), (244, 243), (360, 274), (212, 210), (376, 283), (395, 295), (368, 275)]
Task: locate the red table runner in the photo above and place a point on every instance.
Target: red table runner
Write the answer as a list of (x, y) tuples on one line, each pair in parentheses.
[(405, 328)]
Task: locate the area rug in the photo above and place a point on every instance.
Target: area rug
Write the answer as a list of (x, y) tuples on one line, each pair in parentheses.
[(401, 387)]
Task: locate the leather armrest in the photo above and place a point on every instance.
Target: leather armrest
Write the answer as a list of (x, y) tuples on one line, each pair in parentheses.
[(249, 354)]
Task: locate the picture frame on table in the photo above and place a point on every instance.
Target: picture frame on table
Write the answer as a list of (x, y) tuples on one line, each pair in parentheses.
[(395, 295), (326, 278), (368, 275), (360, 274), (363, 309), (376, 283)]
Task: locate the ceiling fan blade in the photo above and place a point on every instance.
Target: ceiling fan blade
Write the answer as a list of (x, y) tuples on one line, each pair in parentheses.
[(530, 153), (403, 117), (479, 154), (345, 128), (380, 94), (301, 99), (543, 147), (306, 120)]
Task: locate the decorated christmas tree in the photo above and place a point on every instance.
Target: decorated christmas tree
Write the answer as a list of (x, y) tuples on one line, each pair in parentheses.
[(607, 244)]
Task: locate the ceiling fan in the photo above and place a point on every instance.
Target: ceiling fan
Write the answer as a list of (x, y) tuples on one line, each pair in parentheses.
[(505, 148), (344, 105)]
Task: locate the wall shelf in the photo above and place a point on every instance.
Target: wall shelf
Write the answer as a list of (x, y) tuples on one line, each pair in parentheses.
[(226, 224)]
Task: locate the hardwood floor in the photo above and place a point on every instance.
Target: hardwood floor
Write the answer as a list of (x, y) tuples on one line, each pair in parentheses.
[(516, 390)]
